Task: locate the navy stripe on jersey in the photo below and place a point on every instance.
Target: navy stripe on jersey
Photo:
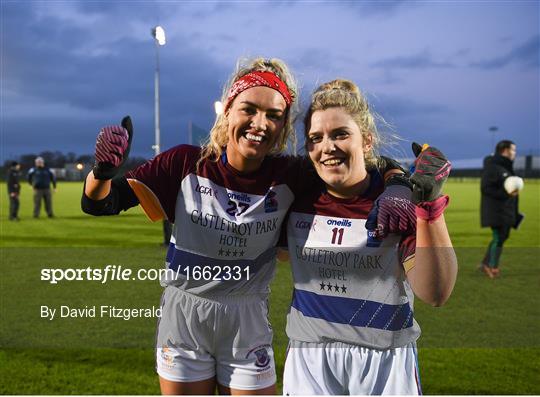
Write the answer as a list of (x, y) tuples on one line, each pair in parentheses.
[(179, 259), (357, 312)]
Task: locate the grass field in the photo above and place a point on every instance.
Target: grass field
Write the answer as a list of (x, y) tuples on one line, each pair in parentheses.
[(485, 340)]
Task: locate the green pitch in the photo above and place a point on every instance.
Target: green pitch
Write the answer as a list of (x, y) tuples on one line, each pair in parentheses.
[(485, 340)]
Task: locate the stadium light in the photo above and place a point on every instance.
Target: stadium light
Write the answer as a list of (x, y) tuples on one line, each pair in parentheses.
[(159, 35)]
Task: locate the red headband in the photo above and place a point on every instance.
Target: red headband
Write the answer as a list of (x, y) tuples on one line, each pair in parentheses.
[(256, 79)]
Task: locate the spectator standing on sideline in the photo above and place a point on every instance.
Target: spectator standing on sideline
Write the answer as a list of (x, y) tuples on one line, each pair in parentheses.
[(41, 177), (499, 209), (14, 188)]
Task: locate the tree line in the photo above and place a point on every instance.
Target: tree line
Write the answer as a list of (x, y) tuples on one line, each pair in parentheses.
[(57, 159)]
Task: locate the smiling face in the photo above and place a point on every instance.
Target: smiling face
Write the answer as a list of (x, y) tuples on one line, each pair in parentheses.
[(255, 122), (337, 148)]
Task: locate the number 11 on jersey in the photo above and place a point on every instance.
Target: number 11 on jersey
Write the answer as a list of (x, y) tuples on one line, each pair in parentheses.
[(337, 232)]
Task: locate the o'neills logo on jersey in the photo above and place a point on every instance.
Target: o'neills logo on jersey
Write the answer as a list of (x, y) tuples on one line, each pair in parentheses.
[(243, 197), (341, 222)]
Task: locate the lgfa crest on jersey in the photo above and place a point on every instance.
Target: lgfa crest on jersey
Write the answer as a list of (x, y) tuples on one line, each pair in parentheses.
[(262, 358), (270, 202)]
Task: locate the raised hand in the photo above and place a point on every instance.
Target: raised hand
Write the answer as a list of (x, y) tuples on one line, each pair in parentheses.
[(431, 170), (112, 149), (393, 211)]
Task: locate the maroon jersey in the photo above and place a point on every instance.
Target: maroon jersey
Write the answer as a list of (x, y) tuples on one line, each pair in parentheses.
[(348, 286), (226, 224)]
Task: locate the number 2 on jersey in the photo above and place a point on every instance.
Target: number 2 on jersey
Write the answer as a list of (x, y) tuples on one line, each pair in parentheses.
[(236, 209)]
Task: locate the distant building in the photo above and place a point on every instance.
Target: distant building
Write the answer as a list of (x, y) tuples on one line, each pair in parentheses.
[(524, 166), (77, 171)]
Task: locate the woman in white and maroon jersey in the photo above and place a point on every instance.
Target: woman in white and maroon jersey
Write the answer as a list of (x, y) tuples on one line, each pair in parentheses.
[(351, 325), (227, 202)]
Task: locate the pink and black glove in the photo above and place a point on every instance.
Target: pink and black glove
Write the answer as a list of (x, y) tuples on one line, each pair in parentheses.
[(431, 170), (112, 149), (393, 211)]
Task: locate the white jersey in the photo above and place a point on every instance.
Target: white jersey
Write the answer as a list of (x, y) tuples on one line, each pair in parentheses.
[(348, 287), (226, 224)]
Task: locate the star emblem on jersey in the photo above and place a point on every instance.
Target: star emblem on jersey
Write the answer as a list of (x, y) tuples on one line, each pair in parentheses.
[(235, 253), (334, 287)]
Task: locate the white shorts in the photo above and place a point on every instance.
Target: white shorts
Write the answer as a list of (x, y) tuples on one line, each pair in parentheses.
[(229, 338), (344, 369)]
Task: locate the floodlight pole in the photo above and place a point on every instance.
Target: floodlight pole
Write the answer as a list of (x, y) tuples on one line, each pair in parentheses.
[(159, 38), (157, 143)]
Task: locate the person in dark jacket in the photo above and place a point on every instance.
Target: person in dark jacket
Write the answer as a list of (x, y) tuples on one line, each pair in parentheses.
[(41, 178), (14, 189), (499, 209)]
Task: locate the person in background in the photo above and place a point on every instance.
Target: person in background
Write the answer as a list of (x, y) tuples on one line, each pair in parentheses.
[(41, 178), (14, 189), (499, 209)]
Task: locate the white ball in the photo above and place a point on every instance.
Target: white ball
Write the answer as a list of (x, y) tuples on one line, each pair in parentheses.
[(513, 183)]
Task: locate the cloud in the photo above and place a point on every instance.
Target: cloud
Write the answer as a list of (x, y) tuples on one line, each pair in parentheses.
[(312, 58), (44, 60), (65, 79), (72, 67), (229, 38), (527, 55), (462, 52), (379, 8), (397, 107), (421, 60)]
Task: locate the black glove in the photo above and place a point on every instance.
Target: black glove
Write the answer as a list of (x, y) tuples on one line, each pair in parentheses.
[(431, 170), (112, 149)]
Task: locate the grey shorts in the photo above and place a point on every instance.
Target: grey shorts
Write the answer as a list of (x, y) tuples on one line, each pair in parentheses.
[(227, 337)]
